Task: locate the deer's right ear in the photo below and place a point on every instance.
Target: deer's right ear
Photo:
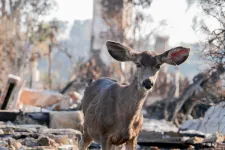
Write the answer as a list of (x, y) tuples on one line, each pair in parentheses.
[(120, 52), (174, 56)]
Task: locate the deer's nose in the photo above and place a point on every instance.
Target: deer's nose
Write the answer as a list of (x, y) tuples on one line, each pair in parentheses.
[(147, 83)]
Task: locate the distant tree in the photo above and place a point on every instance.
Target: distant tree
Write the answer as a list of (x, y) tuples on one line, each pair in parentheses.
[(214, 47), (19, 19)]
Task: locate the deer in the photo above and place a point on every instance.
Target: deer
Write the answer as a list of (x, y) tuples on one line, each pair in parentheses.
[(112, 110)]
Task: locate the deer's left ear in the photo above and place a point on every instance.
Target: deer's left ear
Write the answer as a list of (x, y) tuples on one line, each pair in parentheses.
[(174, 56)]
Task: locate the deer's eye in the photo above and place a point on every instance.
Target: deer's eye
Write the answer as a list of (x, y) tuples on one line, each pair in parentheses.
[(157, 66), (138, 65)]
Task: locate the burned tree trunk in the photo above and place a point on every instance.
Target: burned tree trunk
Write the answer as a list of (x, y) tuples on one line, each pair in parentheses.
[(202, 84), (185, 96)]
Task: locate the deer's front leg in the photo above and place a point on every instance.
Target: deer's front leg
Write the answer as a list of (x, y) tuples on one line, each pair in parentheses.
[(131, 144), (86, 141), (106, 143)]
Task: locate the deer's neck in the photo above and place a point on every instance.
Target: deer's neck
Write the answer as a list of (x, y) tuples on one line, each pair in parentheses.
[(134, 99)]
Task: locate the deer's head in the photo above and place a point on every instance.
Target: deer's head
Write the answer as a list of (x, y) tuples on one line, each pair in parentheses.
[(148, 64)]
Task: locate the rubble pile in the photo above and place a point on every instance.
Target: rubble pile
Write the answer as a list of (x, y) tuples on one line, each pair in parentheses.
[(32, 119), (37, 137), (163, 134)]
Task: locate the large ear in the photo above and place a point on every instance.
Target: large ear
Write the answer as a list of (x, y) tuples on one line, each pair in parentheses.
[(120, 52), (174, 56)]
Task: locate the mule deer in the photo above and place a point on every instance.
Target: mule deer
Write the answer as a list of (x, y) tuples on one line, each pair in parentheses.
[(112, 110)]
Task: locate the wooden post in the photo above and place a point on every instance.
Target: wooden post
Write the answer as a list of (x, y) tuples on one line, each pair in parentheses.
[(50, 68), (8, 93)]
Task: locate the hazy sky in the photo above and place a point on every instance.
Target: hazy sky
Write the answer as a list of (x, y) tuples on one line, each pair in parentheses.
[(70, 10), (174, 11), (179, 20)]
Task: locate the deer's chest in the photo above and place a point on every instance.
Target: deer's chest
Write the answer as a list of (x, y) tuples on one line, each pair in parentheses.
[(128, 132)]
